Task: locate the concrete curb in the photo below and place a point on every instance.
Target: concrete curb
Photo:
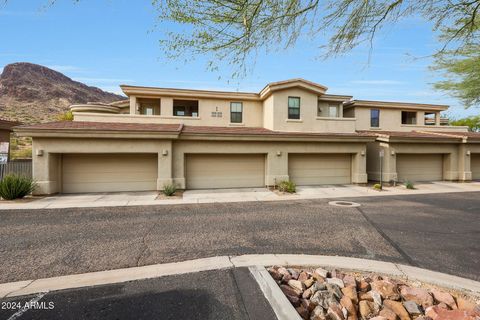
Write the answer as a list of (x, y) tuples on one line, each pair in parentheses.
[(21, 288)]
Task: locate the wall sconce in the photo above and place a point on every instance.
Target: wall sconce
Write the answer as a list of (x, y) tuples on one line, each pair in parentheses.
[(279, 153), (468, 152), (165, 152), (363, 153), (392, 153), (39, 152)]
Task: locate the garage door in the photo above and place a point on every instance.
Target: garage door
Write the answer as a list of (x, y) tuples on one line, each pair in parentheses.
[(109, 172), (205, 171), (318, 169), (420, 167), (475, 166)]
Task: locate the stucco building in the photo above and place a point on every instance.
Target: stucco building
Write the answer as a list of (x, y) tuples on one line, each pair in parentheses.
[(290, 130)]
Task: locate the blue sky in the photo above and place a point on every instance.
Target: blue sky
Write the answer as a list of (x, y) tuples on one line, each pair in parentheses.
[(105, 43)]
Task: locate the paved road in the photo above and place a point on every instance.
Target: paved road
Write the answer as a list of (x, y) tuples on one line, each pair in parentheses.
[(226, 294), (439, 232)]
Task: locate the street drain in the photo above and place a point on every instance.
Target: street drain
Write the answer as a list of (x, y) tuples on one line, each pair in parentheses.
[(344, 204)]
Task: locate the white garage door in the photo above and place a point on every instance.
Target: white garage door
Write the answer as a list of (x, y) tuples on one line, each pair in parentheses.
[(318, 169), (420, 167), (475, 166), (109, 172), (205, 171)]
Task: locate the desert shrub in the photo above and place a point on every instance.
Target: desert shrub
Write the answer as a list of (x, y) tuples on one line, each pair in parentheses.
[(287, 186), (377, 186), (409, 185), (67, 116), (169, 189), (14, 186)]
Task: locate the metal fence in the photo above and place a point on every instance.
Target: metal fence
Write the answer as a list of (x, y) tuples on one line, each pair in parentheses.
[(22, 167)]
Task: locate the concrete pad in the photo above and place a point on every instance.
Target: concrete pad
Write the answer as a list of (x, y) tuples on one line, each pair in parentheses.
[(7, 288), (249, 260)]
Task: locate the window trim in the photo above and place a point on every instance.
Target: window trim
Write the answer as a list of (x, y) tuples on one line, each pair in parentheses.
[(232, 103), (295, 117), (372, 118)]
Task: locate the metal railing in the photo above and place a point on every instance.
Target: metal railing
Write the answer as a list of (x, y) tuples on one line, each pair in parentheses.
[(19, 167)]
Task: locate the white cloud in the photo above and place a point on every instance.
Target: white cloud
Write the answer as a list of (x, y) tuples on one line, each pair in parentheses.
[(378, 82)]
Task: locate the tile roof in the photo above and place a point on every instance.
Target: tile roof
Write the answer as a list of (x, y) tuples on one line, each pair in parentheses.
[(103, 126), (469, 135), (411, 134)]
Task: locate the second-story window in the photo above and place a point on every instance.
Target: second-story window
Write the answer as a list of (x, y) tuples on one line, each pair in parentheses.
[(293, 107), (409, 117), (374, 118), (185, 108), (333, 111), (236, 112)]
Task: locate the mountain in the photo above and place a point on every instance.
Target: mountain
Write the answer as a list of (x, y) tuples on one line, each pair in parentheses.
[(33, 93)]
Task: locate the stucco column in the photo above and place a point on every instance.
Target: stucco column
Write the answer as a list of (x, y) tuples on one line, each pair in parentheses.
[(464, 159), (46, 172), (390, 164), (133, 105), (450, 166), (359, 167), (437, 118), (277, 167), (165, 156), (166, 107)]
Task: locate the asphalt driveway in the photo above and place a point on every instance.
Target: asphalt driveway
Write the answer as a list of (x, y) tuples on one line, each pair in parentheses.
[(440, 232)]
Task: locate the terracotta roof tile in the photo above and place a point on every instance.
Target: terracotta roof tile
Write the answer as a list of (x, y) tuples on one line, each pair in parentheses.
[(103, 126), (409, 134), (469, 135)]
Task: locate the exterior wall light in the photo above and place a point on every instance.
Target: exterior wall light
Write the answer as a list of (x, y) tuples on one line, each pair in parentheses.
[(468, 152), (392, 153), (165, 152), (39, 152), (363, 153), (279, 153)]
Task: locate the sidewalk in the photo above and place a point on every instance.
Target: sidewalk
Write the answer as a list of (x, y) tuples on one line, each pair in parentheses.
[(230, 195)]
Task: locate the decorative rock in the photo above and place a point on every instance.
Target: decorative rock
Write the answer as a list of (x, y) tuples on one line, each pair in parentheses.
[(377, 298), (351, 293), (398, 308), (423, 318), (335, 289), (303, 312), (437, 313), (302, 276), (443, 305), (293, 273), (318, 314), (307, 294), (309, 282), (386, 289), (419, 295), (388, 314), (464, 304), (363, 286), (337, 274), (445, 297), (318, 286), (336, 281), (307, 304), (283, 271), (378, 318), (323, 298), (349, 281), (349, 307), (365, 296), (287, 290), (275, 274), (295, 284), (334, 312), (320, 273), (367, 309), (412, 308)]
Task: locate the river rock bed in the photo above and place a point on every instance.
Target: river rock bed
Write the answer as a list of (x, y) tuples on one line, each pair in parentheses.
[(319, 294)]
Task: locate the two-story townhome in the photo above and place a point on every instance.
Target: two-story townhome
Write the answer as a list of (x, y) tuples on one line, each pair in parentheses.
[(290, 130)]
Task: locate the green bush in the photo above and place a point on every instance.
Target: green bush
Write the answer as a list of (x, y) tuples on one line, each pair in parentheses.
[(169, 189), (377, 186), (409, 185), (67, 116), (13, 186), (287, 186)]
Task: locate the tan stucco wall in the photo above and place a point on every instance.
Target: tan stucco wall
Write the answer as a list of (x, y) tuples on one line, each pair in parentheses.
[(391, 120), (171, 156), (456, 162)]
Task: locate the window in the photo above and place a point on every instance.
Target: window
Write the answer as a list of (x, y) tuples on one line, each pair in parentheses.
[(185, 108), (374, 118), (333, 111), (293, 108), (236, 111), (409, 117), (430, 118), (148, 111), (148, 106)]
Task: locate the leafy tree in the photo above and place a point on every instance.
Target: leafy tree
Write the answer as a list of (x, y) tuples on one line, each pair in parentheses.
[(472, 122)]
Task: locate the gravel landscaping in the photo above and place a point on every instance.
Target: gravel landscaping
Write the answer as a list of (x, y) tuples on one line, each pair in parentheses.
[(319, 294)]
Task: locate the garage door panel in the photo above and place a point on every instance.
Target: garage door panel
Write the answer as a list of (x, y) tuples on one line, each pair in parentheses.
[(475, 166), (318, 169), (208, 171), (109, 172), (420, 167)]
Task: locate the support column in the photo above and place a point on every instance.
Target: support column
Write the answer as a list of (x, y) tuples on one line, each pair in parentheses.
[(276, 168), (390, 165), (133, 105), (359, 167), (166, 107), (450, 166), (464, 163), (46, 172), (165, 165), (437, 118)]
